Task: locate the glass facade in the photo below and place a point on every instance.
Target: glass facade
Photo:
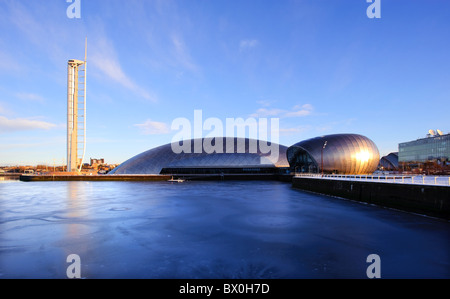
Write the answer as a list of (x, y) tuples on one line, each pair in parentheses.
[(302, 161), (425, 150)]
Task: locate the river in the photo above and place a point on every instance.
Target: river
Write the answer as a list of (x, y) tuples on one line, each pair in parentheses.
[(215, 229)]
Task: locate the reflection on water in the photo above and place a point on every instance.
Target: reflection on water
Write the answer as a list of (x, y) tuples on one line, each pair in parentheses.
[(8, 178), (208, 230), (77, 228)]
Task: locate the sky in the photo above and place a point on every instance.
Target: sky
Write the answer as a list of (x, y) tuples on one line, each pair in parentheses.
[(318, 66)]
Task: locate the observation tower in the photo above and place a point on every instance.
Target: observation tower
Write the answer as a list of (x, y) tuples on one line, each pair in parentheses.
[(76, 113)]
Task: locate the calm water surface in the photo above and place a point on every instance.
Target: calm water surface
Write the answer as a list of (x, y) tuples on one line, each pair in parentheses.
[(231, 229)]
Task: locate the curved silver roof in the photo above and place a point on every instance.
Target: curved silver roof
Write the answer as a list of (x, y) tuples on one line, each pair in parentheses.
[(243, 154), (390, 162), (343, 153)]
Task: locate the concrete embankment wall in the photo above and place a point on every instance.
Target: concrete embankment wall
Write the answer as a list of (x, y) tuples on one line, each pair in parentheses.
[(44, 178), (424, 199)]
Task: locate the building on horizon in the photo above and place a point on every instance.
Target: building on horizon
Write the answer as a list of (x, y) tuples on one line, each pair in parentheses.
[(97, 161), (426, 155), (389, 162)]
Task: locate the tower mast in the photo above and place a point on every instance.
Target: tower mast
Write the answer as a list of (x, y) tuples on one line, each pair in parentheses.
[(76, 113)]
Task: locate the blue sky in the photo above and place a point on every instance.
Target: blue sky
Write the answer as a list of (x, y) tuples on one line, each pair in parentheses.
[(320, 66)]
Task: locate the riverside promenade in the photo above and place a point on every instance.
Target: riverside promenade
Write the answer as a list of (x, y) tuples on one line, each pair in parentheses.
[(427, 195)]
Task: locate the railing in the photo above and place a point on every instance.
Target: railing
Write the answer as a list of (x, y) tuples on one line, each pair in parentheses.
[(385, 178)]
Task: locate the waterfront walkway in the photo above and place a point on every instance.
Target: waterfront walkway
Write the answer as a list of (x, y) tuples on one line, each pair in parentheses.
[(386, 178)]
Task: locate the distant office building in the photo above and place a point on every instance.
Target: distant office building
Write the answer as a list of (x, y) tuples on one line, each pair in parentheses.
[(427, 154)]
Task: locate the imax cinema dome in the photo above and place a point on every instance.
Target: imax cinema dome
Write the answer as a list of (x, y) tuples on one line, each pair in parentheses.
[(218, 155), (338, 153)]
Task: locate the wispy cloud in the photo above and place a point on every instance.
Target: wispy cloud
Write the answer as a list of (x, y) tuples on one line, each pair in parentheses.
[(266, 112), (41, 28), (105, 59), (299, 111), (296, 111), (248, 44), (23, 124), (265, 103), (181, 53), (169, 34), (150, 127)]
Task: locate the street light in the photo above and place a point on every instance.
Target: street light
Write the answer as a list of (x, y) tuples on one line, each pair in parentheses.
[(324, 146)]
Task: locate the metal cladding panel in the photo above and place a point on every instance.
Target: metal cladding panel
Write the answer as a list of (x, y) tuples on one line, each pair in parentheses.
[(344, 153), (227, 152)]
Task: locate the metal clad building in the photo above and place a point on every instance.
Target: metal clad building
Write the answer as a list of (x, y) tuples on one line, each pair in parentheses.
[(242, 158), (338, 153)]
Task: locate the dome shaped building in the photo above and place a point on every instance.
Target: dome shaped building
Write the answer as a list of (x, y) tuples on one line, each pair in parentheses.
[(219, 155), (338, 153), (389, 162)]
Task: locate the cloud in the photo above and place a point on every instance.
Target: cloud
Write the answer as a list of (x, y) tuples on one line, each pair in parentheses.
[(150, 127), (264, 103), (296, 111), (104, 58), (299, 111), (40, 26), (248, 44), (265, 112), (22, 124), (181, 53)]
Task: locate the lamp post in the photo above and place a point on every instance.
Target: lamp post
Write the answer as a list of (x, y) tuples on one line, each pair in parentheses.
[(324, 146)]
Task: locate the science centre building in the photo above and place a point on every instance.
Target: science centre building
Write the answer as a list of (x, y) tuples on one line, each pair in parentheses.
[(338, 154), (224, 156)]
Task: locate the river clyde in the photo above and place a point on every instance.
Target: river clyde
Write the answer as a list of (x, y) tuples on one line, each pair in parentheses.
[(214, 229)]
